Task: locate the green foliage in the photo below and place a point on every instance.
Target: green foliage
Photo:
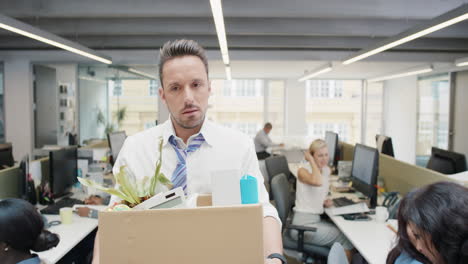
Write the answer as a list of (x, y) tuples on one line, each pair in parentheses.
[(131, 190)]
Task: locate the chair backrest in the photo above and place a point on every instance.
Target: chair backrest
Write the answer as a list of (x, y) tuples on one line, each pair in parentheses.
[(266, 177), (280, 189), (337, 255), (276, 165)]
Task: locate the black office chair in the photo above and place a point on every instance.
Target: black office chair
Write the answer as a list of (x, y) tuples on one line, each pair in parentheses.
[(280, 190), (279, 164)]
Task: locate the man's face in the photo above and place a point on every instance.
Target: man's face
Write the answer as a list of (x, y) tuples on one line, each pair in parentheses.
[(267, 130), (185, 90)]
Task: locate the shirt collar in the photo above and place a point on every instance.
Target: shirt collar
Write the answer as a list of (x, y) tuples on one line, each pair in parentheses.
[(34, 260), (206, 131)]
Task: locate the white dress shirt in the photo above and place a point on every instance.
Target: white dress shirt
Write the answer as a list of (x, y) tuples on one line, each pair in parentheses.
[(223, 149), (262, 141), (309, 198)]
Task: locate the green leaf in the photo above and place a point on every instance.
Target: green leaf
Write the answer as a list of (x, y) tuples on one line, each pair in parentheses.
[(126, 186), (95, 185)]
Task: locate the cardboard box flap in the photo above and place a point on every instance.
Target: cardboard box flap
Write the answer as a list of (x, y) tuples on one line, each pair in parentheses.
[(208, 235)]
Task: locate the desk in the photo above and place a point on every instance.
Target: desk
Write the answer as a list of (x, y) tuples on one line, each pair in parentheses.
[(70, 236), (372, 239)]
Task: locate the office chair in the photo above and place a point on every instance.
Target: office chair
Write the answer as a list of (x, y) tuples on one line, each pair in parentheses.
[(337, 255), (279, 164), (280, 189)]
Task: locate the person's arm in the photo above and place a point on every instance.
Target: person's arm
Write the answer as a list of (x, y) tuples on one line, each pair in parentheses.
[(272, 239), (314, 178), (96, 250)]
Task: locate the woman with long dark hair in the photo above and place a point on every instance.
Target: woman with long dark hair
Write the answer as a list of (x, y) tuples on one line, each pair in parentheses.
[(22, 231), (433, 226)]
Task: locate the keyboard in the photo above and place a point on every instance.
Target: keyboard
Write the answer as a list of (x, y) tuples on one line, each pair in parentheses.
[(342, 201), (55, 208)]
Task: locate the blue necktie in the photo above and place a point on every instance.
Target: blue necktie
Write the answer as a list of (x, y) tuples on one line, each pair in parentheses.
[(179, 177)]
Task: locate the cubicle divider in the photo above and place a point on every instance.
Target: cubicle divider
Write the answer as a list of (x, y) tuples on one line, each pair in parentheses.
[(397, 175), (403, 177), (10, 181), (346, 151)]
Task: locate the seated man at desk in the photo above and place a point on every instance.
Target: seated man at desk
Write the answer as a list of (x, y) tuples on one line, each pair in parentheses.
[(312, 189), (194, 147), (262, 142)]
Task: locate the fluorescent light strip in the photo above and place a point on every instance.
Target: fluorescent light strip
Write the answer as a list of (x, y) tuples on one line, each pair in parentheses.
[(408, 38), (461, 62), (403, 74), (142, 73), (54, 43), (315, 73), (228, 73), (217, 10)]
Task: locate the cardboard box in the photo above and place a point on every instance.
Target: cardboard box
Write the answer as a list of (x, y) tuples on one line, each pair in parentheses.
[(202, 235)]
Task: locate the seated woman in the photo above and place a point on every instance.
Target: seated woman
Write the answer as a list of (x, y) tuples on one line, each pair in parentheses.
[(22, 231), (433, 226), (311, 193)]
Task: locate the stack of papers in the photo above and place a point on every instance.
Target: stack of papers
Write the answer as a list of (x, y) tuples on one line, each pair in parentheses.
[(349, 209)]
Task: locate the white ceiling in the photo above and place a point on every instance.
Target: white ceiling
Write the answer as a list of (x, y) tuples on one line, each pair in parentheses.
[(277, 38)]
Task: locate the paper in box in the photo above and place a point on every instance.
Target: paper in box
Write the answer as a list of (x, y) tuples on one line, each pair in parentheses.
[(202, 235)]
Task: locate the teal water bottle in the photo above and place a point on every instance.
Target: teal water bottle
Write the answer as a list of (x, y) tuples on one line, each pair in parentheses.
[(249, 189)]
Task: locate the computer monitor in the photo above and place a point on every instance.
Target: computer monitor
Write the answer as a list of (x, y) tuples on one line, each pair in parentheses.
[(364, 172), (6, 155), (116, 141), (384, 145), (332, 142), (446, 162), (63, 170)]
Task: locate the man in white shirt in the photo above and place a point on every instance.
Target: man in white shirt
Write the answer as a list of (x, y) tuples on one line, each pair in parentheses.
[(193, 146), (262, 142)]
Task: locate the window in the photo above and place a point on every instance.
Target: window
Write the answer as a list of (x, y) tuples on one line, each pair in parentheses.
[(340, 112), (141, 108), (153, 87), (433, 116), (116, 87), (374, 112), (275, 109), (243, 105)]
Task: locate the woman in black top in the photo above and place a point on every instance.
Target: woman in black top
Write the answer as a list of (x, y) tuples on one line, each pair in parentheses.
[(22, 231)]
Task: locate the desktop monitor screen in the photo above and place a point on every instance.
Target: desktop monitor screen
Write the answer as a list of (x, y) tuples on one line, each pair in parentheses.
[(332, 142), (364, 172), (116, 141), (63, 170), (446, 162), (6, 156), (384, 145)]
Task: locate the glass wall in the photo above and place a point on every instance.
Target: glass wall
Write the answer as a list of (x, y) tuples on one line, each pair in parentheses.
[(2, 107), (334, 105), (433, 116), (133, 104), (247, 104), (111, 100)]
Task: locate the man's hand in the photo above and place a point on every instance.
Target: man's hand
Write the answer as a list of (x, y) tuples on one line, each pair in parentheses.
[(327, 203), (94, 200), (83, 211)]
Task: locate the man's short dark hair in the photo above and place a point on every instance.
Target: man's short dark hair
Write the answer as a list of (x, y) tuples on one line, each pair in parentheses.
[(268, 126), (179, 48)]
